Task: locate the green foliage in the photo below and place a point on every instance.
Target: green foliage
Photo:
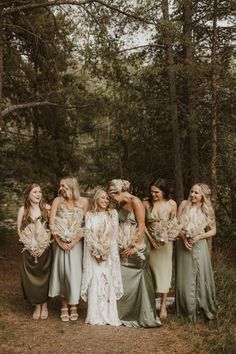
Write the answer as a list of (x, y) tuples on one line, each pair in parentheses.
[(120, 125)]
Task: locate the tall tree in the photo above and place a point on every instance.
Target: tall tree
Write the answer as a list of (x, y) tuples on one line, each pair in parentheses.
[(167, 35), (190, 97)]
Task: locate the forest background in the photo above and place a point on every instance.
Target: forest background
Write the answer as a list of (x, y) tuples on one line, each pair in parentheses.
[(122, 89)]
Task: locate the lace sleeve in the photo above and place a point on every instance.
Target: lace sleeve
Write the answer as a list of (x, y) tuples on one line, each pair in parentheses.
[(115, 258), (87, 259)]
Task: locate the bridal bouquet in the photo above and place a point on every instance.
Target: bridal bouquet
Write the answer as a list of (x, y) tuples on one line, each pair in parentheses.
[(99, 241), (166, 230), (192, 225), (35, 237), (191, 229), (128, 237), (67, 228)]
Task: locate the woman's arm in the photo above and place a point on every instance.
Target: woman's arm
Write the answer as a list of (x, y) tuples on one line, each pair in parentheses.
[(86, 204), (187, 244), (19, 220), (173, 207), (181, 208), (150, 238), (139, 213), (203, 235), (53, 211)]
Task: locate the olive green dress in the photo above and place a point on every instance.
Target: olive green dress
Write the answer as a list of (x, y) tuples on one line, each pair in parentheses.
[(137, 306), (195, 287), (35, 276)]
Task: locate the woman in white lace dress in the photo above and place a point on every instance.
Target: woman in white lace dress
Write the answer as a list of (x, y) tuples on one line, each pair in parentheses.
[(101, 281)]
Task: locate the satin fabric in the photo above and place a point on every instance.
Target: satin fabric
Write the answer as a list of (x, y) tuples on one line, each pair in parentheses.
[(66, 274), (137, 306), (35, 276), (195, 287)]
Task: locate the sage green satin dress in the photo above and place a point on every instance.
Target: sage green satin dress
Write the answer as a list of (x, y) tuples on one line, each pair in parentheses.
[(161, 259), (195, 286), (66, 274), (137, 307), (35, 276)]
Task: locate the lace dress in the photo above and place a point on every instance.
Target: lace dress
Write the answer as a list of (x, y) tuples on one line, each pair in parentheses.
[(195, 287), (35, 276), (66, 274), (160, 260), (101, 283)]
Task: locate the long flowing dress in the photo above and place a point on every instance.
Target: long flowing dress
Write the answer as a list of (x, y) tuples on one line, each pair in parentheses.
[(160, 260), (35, 276), (195, 287), (66, 274), (102, 283), (137, 306)]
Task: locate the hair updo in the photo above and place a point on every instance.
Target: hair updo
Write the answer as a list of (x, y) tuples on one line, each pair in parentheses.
[(118, 185)]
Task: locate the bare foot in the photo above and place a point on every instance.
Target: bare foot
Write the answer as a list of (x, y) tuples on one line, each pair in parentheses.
[(37, 312), (44, 311), (163, 312)]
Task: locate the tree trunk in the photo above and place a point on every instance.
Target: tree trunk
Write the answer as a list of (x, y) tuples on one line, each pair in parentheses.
[(1, 66), (189, 90), (214, 113), (173, 104)]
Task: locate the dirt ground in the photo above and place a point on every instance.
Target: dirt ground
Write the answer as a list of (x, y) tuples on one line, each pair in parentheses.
[(21, 334)]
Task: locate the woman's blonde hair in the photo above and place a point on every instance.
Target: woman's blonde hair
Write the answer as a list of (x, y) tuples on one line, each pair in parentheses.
[(206, 207), (94, 207), (118, 185), (73, 185)]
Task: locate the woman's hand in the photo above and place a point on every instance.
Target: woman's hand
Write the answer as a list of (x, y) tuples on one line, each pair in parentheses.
[(196, 239), (38, 253), (155, 245), (129, 252), (63, 245), (187, 244)]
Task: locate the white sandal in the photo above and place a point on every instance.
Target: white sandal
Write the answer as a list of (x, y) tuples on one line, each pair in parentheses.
[(65, 314), (74, 316)]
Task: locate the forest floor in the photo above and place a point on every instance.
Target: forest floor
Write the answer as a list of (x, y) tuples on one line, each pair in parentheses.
[(21, 334)]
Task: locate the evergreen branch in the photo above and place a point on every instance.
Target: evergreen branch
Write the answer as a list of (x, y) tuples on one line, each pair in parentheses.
[(15, 107), (142, 46), (16, 9), (127, 14)]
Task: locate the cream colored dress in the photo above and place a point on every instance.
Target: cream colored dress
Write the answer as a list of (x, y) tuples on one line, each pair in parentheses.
[(102, 283), (160, 260)]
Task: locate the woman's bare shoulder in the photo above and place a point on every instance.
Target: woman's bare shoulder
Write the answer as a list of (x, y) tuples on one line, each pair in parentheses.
[(21, 210), (146, 204)]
